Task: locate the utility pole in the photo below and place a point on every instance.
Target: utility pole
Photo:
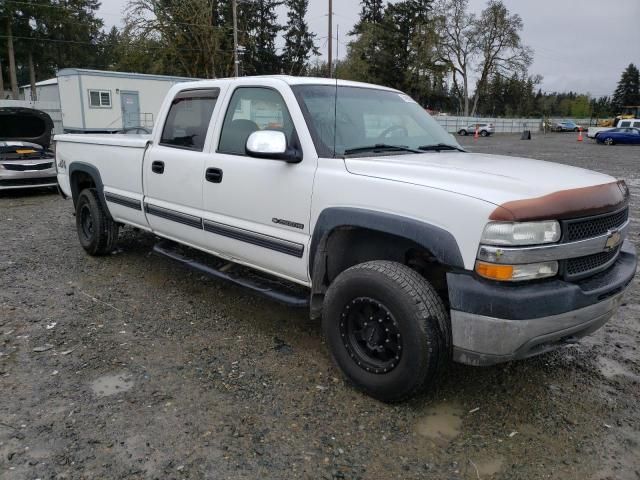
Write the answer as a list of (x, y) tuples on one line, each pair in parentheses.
[(235, 38), (330, 38)]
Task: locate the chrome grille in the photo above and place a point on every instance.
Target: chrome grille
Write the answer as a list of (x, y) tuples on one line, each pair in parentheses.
[(24, 167), (582, 228), (589, 227)]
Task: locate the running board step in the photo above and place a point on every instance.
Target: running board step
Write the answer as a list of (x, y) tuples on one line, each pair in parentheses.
[(273, 288)]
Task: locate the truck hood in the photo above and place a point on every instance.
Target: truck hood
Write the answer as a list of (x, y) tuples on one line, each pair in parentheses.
[(493, 178), (25, 125)]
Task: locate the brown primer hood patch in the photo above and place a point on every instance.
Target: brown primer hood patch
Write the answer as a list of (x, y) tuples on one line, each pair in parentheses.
[(573, 203)]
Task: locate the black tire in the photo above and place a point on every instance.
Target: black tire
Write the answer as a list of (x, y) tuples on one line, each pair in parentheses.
[(576, 129), (97, 232), (462, 132), (408, 310), (608, 141), (484, 133)]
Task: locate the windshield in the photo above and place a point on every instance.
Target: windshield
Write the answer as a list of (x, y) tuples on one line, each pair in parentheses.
[(368, 120)]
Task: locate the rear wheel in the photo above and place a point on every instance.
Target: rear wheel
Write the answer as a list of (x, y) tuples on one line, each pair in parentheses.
[(97, 232), (484, 133), (462, 132), (386, 326), (608, 141)]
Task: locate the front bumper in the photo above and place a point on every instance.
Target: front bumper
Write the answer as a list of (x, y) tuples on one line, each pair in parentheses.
[(13, 179), (492, 322)]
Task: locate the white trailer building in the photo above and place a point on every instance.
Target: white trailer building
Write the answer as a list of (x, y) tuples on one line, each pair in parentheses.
[(104, 101), (46, 91)]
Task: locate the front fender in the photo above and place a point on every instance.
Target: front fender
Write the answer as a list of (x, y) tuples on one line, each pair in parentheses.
[(438, 241)]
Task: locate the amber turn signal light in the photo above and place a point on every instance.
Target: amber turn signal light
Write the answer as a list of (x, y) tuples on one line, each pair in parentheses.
[(494, 271)]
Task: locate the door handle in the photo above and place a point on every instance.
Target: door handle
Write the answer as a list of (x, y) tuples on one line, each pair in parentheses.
[(157, 167), (213, 175)]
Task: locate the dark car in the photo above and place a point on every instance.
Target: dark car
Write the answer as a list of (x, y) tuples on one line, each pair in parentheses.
[(619, 135), (25, 158)]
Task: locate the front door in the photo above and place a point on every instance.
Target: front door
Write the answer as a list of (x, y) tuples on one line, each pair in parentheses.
[(255, 210), (130, 104)]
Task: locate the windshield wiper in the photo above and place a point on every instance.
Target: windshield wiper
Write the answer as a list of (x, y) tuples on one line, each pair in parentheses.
[(380, 147), (439, 146)]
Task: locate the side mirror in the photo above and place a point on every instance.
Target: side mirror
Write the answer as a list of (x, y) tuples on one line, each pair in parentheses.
[(271, 144)]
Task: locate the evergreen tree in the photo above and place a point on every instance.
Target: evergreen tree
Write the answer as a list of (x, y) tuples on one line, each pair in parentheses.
[(261, 28), (371, 12), (628, 90), (299, 43)]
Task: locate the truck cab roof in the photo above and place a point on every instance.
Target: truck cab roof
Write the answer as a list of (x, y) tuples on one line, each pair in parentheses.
[(287, 79)]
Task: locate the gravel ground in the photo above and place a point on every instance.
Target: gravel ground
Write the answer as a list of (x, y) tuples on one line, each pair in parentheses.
[(132, 367)]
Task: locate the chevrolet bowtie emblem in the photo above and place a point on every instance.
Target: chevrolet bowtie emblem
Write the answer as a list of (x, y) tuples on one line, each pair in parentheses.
[(613, 240)]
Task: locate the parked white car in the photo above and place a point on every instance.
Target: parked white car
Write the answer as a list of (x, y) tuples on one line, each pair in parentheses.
[(484, 129), (413, 251), (25, 158)]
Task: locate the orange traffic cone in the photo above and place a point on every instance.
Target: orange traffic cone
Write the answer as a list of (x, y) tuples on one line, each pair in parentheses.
[(579, 134), (475, 137)]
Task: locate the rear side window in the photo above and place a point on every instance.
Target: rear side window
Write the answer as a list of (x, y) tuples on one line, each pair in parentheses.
[(188, 119), (624, 124)]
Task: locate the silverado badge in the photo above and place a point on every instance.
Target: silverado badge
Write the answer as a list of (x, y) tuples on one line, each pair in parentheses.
[(613, 240)]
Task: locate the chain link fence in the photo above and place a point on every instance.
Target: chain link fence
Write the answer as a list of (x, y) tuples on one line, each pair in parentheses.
[(453, 124)]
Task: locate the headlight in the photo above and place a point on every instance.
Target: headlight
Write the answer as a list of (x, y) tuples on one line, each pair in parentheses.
[(521, 233), (515, 273)]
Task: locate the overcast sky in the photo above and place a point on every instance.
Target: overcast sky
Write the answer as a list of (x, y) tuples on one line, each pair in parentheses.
[(580, 45)]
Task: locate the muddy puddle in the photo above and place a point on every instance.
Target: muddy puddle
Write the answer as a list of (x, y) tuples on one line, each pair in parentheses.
[(441, 423), (108, 385)]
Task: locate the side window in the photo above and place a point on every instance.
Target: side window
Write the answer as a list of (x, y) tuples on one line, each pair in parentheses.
[(252, 109), (188, 119), (100, 98), (624, 124)]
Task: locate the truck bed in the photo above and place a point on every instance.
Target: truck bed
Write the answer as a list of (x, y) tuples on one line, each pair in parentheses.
[(118, 158)]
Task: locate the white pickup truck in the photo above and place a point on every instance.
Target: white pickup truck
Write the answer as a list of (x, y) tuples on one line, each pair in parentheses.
[(411, 250), (624, 123)]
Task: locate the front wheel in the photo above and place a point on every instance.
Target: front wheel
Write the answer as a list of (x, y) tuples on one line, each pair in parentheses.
[(462, 133), (97, 232), (484, 133), (386, 328), (608, 141)]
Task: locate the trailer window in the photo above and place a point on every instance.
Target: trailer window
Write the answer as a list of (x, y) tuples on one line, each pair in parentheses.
[(188, 119), (100, 98)]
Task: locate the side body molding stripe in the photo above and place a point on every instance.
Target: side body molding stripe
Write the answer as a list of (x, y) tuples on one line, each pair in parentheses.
[(266, 241), (438, 241), (123, 200), (247, 236), (183, 218)]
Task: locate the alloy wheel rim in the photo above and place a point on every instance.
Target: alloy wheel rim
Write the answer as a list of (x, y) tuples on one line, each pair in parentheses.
[(371, 336), (86, 222)]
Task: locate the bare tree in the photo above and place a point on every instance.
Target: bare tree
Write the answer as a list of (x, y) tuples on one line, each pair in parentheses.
[(1, 80), (477, 47), (12, 61), (457, 46), (186, 31), (500, 48)]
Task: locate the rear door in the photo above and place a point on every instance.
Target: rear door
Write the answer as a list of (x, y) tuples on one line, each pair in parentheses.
[(173, 170)]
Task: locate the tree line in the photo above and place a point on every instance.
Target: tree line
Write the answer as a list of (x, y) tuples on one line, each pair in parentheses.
[(438, 51)]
